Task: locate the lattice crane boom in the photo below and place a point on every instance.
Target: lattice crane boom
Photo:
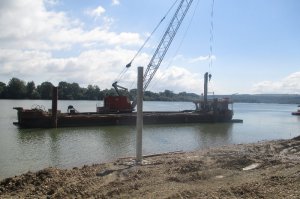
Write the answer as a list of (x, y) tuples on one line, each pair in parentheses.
[(156, 59), (166, 41)]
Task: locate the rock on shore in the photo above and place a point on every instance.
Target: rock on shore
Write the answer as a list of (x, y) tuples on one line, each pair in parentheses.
[(261, 170)]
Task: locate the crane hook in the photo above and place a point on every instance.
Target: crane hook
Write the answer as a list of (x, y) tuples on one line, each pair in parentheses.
[(128, 65)]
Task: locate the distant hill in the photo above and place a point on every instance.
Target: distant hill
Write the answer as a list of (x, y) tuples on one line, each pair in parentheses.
[(266, 98), (240, 98)]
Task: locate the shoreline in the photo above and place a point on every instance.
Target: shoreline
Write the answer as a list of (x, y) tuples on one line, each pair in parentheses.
[(268, 169)]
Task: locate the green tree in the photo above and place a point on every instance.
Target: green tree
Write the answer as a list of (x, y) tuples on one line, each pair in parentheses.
[(45, 90), (169, 94), (63, 90), (2, 89), (109, 92), (151, 96), (75, 91), (31, 90), (16, 89), (70, 91), (132, 94), (93, 93)]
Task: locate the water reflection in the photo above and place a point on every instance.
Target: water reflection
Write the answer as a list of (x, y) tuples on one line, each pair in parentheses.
[(54, 148), (27, 135), (214, 134), (163, 138), (116, 141), (41, 145), (76, 146)]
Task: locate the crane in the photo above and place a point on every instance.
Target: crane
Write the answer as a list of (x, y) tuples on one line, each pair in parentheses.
[(120, 103), (166, 41)]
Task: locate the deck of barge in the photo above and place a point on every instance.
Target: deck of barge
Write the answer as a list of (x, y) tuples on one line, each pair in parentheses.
[(29, 119)]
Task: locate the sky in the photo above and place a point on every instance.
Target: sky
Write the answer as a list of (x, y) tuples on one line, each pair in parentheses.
[(255, 48)]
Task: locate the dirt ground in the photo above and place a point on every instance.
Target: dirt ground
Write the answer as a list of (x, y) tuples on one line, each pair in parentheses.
[(261, 170)]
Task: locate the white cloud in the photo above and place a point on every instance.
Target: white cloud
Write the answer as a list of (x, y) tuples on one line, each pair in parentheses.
[(193, 60), (51, 2), (176, 79), (22, 63), (289, 84), (29, 25), (202, 58), (98, 15), (102, 36), (42, 45), (115, 2), (99, 67), (97, 12)]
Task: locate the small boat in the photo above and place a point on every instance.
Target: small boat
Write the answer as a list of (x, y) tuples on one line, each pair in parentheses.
[(296, 112)]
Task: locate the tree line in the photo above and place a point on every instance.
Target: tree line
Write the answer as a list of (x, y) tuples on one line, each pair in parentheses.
[(19, 89)]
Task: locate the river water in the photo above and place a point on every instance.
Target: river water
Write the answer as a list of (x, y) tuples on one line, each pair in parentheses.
[(23, 150)]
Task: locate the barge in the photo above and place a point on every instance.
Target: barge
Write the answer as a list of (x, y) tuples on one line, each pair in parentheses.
[(216, 111), (118, 110)]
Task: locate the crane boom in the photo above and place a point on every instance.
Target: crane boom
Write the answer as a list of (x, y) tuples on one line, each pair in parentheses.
[(166, 41), (122, 103)]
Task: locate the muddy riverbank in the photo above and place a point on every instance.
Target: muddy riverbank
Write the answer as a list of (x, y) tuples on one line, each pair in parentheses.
[(261, 170)]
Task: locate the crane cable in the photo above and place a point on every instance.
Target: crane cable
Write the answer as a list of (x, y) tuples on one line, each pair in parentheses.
[(146, 41), (211, 39)]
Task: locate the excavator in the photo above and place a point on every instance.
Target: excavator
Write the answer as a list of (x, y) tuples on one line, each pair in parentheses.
[(121, 103)]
